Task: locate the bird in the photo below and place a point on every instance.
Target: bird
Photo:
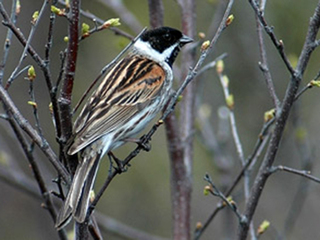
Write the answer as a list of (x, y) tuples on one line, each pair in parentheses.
[(132, 93)]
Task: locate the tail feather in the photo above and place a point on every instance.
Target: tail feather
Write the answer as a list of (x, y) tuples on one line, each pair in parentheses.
[(83, 205), (77, 200)]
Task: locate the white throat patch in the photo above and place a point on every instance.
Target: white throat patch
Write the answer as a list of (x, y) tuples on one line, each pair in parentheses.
[(145, 49)]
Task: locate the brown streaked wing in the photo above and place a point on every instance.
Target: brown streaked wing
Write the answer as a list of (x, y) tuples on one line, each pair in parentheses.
[(137, 82)]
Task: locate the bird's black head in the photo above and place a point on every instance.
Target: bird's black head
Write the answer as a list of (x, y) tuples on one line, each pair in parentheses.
[(166, 38)]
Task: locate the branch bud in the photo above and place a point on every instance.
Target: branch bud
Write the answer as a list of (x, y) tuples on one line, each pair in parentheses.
[(201, 35), (112, 22), (35, 17), (85, 30), (230, 200), (33, 104), (268, 115), (18, 7), (230, 101), (179, 99), (220, 66), (160, 122), (263, 227), (205, 45), (199, 226), (57, 11), (67, 3), (51, 107), (229, 20), (314, 83), (207, 189), (31, 73)]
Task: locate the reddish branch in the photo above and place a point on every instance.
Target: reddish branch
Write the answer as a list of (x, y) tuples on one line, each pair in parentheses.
[(70, 68)]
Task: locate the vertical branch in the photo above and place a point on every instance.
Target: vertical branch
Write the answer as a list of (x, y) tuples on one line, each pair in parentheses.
[(67, 84), (155, 13), (180, 144), (70, 68), (264, 61), (281, 119)]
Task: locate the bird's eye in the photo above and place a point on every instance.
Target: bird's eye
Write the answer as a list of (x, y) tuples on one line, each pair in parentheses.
[(167, 37)]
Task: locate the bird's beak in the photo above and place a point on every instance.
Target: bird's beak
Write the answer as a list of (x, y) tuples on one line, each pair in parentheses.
[(185, 39)]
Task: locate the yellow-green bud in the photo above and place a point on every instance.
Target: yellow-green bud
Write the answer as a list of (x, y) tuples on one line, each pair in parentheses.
[(205, 45), (35, 17), (207, 189), (66, 39), (85, 29), (230, 101), (18, 7), (229, 20), (179, 99), (220, 66), (263, 227), (268, 115), (112, 22), (57, 11), (34, 104), (31, 73), (315, 83)]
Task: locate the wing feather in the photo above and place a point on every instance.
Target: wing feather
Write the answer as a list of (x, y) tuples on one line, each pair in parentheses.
[(133, 82)]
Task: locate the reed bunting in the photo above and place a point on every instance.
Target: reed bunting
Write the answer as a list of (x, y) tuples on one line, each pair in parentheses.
[(129, 97)]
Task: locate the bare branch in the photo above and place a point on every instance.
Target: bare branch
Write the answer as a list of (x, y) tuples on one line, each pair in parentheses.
[(41, 142), (281, 119), (303, 173), (40, 62), (264, 61)]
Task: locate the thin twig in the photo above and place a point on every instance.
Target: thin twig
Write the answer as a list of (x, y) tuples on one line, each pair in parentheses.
[(41, 142), (269, 30), (216, 192), (264, 61), (40, 62), (303, 173), (212, 64), (96, 19), (35, 108), (7, 42), (23, 55)]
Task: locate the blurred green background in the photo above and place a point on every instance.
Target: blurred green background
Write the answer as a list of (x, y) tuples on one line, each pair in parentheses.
[(140, 197)]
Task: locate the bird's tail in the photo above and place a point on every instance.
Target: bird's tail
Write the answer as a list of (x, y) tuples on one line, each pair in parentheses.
[(78, 198)]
